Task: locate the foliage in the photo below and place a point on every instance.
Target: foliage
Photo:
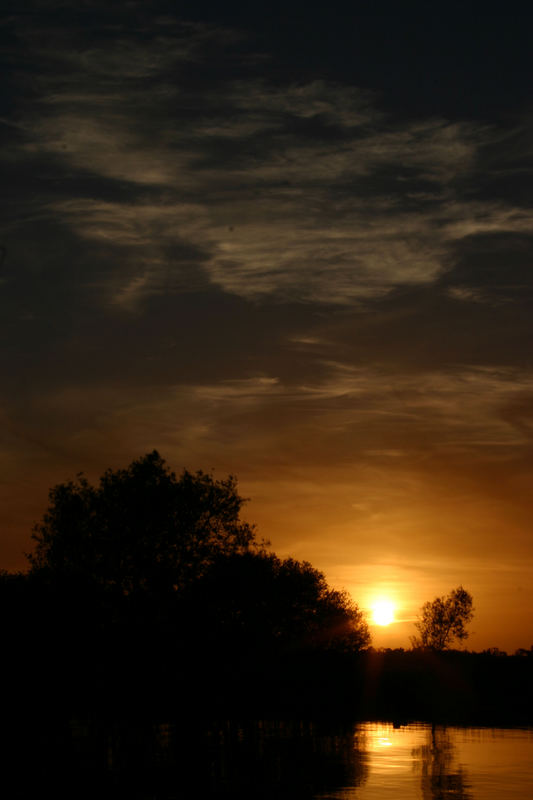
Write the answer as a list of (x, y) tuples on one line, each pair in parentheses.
[(147, 561), (140, 528), (259, 600), (443, 620)]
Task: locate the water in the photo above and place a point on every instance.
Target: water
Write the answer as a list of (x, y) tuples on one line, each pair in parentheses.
[(416, 761), (269, 760)]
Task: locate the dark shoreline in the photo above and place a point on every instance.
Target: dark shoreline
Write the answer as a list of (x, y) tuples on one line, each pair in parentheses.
[(454, 688)]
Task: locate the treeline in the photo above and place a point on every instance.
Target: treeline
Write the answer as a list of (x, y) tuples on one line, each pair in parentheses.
[(147, 594), (449, 687), (68, 653), (231, 643)]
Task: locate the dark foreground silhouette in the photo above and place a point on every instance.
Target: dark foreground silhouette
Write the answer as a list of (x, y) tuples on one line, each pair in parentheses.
[(225, 649), (149, 600)]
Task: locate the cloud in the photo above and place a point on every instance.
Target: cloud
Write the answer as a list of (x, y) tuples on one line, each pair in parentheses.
[(351, 416), (283, 225), (303, 192)]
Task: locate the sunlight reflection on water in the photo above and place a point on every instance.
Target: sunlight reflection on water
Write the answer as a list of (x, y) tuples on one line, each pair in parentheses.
[(418, 762), (275, 760)]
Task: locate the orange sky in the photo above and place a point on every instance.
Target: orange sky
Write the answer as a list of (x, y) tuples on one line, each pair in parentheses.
[(407, 531), (298, 253)]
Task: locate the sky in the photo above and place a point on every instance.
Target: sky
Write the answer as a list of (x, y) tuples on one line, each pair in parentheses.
[(291, 245)]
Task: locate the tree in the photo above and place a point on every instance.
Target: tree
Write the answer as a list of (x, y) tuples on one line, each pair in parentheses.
[(444, 620), (149, 585), (147, 548), (140, 529), (259, 600)]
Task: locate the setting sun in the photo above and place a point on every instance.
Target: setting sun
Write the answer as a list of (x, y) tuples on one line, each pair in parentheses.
[(383, 612)]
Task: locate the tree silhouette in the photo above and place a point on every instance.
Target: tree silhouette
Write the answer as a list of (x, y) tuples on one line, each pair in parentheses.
[(258, 599), (444, 620), (154, 586), (141, 529)]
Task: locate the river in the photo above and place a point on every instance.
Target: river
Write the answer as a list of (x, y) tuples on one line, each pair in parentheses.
[(274, 760)]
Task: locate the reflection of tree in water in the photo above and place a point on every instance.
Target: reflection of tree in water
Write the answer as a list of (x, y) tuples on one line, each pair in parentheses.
[(228, 759), (441, 777), (284, 759)]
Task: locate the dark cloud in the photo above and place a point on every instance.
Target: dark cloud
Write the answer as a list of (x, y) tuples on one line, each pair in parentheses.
[(497, 266)]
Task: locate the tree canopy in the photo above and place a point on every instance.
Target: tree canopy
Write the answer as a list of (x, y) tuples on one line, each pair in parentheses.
[(258, 598), (152, 549), (140, 528), (443, 621)]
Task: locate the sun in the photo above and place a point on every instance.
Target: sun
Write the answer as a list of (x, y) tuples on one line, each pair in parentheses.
[(383, 612)]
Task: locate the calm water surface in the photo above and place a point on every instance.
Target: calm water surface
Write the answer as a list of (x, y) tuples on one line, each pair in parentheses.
[(416, 761), (269, 760)]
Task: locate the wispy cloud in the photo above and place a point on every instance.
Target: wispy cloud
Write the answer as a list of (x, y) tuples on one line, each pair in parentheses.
[(357, 416), (302, 192)]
